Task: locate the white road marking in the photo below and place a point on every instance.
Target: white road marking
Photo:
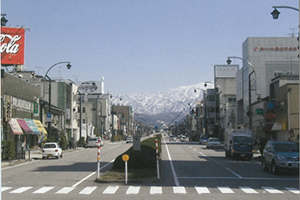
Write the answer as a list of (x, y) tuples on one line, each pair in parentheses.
[(65, 190), (171, 164), (248, 190), (202, 190), (111, 190), (87, 190), (225, 190), (293, 190), (155, 190), (133, 190), (179, 190), (272, 190), (76, 184), (5, 188), (43, 190), (20, 190)]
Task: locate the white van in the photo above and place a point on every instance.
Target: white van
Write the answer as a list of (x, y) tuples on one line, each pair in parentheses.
[(93, 142)]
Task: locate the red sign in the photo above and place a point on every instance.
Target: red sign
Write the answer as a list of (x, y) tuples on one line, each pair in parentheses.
[(275, 48), (12, 46)]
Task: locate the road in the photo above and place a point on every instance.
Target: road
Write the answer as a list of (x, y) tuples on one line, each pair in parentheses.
[(188, 170)]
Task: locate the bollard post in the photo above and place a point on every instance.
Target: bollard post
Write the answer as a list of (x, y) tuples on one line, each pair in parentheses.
[(98, 159), (157, 160)]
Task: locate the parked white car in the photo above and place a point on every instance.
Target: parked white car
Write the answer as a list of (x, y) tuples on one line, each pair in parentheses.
[(51, 149), (213, 143), (93, 142)]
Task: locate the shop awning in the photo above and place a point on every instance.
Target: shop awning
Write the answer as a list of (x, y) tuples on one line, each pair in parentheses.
[(32, 126), (24, 126), (40, 126), (279, 124), (15, 127)]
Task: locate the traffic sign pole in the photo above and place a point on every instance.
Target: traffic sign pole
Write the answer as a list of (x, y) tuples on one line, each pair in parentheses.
[(98, 159)]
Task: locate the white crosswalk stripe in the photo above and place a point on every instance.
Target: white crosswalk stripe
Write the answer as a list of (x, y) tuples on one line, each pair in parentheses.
[(202, 190), (43, 190), (133, 190), (65, 190), (154, 190), (293, 190), (21, 189), (225, 190), (272, 190), (179, 190), (87, 190), (5, 188), (111, 190), (248, 190)]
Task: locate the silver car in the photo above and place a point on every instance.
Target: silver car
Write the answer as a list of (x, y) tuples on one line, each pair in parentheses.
[(213, 143), (280, 156)]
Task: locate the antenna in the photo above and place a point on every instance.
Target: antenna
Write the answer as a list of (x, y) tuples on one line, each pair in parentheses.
[(293, 32)]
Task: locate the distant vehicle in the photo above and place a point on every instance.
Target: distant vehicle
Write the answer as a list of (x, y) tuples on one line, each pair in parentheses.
[(238, 143), (213, 143), (51, 149), (184, 139), (173, 138), (129, 139), (280, 156), (93, 142), (203, 139)]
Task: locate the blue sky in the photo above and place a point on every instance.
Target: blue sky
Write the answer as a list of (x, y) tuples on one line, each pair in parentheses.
[(142, 46)]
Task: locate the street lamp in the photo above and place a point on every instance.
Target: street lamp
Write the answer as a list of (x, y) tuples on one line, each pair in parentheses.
[(49, 108), (249, 113), (3, 20), (275, 13)]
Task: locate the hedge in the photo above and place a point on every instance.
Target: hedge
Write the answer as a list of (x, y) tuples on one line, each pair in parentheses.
[(144, 159)]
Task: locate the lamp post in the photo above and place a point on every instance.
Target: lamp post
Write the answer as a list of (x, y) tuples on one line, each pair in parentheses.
[(275, 15), (249, 86), (49, 108)]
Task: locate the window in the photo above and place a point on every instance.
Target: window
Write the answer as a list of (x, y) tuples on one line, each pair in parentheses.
[(277, 73), (83, 109)]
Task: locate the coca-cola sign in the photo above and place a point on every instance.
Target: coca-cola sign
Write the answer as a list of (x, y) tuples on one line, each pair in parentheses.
[(12, 46)]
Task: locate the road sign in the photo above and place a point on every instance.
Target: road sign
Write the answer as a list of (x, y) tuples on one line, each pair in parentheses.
[(49, 117)]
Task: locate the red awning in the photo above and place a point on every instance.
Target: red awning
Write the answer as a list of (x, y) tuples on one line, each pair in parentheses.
[(24, 126)]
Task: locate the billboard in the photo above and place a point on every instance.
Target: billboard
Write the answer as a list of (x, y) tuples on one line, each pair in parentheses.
[(12, 46), (225, 71)]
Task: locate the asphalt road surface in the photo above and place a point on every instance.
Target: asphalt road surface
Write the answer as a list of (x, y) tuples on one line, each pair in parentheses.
[(187, 170)]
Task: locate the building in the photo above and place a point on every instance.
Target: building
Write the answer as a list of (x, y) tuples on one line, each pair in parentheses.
[(269, 56)]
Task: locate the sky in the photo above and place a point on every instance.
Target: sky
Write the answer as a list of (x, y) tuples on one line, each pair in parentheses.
[(142, 46)]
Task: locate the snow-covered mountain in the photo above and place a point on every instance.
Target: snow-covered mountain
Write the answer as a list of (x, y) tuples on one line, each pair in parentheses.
[(173, 100)]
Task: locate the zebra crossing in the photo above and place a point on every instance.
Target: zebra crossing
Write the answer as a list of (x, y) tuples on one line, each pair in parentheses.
[(151, 190)]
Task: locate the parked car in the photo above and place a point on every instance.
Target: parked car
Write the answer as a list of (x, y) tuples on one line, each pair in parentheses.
[(203, 139), (213, 143), (173, 138), (93, 142), (129, 139), (280, 156), (51, 149)]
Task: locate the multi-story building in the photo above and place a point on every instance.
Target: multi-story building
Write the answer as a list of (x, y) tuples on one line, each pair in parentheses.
[(269, 56)]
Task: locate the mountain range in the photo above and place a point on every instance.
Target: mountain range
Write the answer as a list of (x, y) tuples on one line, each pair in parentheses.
[(163, 107)]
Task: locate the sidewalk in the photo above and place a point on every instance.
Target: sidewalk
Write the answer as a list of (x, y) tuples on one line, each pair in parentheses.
[(35, 154), (30, 156)]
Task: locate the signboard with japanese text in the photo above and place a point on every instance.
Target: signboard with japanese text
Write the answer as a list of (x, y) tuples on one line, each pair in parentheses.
[(12, 46)]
